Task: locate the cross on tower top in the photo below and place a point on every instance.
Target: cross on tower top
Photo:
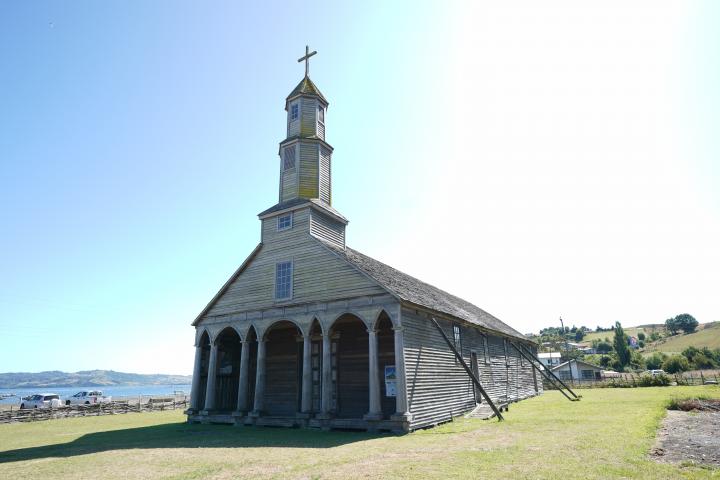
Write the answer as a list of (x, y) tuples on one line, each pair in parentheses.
[(307, 56)]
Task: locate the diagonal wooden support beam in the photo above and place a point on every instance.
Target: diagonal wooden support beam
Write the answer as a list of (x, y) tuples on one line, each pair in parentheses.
[(545, 371), (475, 380)]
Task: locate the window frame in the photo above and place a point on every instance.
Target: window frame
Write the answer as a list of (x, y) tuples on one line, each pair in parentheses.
[(486, 351), (457, 337), (294, 111), (286, 227), (321, 118), (289, 148), (290, 275)]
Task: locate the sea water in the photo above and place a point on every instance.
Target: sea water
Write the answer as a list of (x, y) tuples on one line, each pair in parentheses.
[(114, 391)]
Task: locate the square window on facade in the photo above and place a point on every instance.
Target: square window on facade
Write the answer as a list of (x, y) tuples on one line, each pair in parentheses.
[(294, 111), (284, 222), (283, 280), (289, 158)]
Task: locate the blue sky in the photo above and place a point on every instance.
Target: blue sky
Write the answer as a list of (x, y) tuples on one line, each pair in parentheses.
[(539, 162)]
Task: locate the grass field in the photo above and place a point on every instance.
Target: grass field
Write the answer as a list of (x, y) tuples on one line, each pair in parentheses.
[(606, 435), (707, 335), (630, 331)]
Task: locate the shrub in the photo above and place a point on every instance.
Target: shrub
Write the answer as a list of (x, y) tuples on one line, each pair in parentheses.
[(702, 362), (641, 336), (653, 381), (676, 364), (655, 361)]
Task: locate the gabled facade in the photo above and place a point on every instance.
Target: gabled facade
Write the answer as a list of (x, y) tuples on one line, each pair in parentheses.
[(308, 332)]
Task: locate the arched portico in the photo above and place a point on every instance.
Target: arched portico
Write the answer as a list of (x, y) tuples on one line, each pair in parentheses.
[(200, 372), (349, 367), (227, 369), (283, 369), (386, 361)]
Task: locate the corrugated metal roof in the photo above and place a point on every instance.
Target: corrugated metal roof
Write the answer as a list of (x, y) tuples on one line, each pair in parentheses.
[(417, 292), (307, 87)]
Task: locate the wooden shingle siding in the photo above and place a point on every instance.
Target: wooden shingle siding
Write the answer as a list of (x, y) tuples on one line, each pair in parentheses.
[(325, 186), (293, 125), (309, 173), (438, 387), (318, 274), (289, 186), (325, 228), (308, 117)]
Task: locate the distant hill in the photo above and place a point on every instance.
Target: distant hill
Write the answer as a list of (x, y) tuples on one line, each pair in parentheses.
[(707, 335), (88, 378)]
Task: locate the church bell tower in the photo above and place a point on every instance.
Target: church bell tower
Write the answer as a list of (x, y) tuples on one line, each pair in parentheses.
[(305, 156)]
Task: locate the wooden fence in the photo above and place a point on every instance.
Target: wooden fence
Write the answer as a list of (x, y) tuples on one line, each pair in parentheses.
[(629, 380), (146, 404)]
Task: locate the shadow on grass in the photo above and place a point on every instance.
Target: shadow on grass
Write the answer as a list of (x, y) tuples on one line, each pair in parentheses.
[(183, 435)]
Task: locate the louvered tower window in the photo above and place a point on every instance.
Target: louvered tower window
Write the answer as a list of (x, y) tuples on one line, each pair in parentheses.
[(289, 157)]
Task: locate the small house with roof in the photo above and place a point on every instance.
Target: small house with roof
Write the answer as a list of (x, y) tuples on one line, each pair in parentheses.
[(310, 332)]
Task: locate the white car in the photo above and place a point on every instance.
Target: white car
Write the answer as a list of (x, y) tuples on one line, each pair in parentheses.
[(42, 400), (87, 397), (655, 373)]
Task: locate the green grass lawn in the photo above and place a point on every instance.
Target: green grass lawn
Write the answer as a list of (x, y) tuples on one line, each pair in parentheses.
[(707, 335), (606, 435)]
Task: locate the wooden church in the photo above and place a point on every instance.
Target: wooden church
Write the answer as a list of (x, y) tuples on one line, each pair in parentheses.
[(309, 332)]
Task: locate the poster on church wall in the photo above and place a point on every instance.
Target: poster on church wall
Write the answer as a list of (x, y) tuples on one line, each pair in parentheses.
[(390, 381)]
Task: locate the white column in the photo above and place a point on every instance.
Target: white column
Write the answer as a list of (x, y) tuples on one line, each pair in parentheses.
[(197, 371), (212, 374), (242, 400), (326, 374), (306, 403), (260, 378), (375, 412), (401, 404)]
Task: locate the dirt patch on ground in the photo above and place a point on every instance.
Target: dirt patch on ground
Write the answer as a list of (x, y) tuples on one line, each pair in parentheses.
[(692, 437)]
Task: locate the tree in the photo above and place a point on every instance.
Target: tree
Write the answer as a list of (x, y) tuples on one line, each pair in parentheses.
[(686, 322), (676, 364), (655, 361), (702, 362), (603, 347), (579, 335), (621, 345), (641, 336), (690, 353), (672, 326)]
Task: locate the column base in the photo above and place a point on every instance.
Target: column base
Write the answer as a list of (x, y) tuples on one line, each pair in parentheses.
[(255, 414), (323, 416), (401, 417), (373, 416), (303, 415)]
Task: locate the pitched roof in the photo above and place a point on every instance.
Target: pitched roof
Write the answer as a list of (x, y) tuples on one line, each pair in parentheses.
[(297, 202), (577, 361), (412, 290), (306, 87)]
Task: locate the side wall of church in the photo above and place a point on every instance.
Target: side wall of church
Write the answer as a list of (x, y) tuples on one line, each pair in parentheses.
[(438, 387), (318, 275)]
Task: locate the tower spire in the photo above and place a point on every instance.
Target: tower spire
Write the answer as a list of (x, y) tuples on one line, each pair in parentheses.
[(306, 58)]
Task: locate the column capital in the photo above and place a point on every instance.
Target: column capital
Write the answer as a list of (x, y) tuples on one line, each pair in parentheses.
[(372, 331), (399, 328)]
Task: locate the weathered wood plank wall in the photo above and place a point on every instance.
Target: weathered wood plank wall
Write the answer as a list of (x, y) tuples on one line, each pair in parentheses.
[(438, 387)]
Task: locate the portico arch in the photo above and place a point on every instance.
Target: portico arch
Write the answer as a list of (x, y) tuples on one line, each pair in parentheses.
[(283, 369), (227, 370), (349, 351), (386, 361), (200, 371)]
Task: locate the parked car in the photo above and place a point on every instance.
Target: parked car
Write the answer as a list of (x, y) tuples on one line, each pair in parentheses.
[(42, 400), (87, 397), (655, 373)]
